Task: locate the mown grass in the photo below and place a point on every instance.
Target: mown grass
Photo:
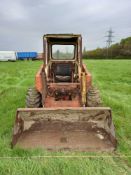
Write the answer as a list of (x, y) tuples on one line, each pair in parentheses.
[(112, 77)]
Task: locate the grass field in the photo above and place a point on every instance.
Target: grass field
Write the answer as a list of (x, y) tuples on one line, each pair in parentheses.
[(113, 78)]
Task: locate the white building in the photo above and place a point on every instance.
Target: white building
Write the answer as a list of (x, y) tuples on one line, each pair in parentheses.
[(7, 56)]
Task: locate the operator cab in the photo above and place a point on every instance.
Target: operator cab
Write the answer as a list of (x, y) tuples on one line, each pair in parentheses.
[(62, 57)]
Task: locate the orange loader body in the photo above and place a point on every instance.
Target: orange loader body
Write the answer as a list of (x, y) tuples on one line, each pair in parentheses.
[(63, 111)]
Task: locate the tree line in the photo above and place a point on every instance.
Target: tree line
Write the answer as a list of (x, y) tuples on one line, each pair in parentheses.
[(120, 50)]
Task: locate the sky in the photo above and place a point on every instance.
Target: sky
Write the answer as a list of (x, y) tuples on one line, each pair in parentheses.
[(24, 22)]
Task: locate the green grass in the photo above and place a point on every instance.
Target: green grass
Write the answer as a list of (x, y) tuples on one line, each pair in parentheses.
[(112, 77)]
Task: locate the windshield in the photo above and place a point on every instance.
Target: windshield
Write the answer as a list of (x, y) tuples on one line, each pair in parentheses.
[(63, 52)]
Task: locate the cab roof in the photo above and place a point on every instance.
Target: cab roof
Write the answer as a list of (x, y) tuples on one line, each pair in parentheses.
[(62, 37)]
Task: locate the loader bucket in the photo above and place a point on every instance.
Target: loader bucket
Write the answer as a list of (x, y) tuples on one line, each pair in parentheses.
[(56, 129)]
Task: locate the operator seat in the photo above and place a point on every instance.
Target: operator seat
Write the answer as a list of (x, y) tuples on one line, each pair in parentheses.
[(63, 72)]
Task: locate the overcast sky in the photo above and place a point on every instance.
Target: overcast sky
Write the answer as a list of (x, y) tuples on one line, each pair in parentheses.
[(24, 22)]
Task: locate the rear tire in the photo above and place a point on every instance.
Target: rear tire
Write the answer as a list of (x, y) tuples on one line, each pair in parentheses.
[(93, 97), (33, 98)]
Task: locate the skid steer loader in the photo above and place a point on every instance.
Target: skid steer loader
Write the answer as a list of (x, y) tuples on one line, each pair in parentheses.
[(63, 111)]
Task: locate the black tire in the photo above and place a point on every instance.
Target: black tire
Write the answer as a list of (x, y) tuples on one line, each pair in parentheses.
[(33, 98), (93, 97)]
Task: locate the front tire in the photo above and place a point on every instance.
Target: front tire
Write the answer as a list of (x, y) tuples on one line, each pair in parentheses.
[(33, 98), (93, 97)]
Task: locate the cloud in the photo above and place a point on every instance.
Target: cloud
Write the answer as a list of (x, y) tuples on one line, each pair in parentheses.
[(12, 10), (23, 22)]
